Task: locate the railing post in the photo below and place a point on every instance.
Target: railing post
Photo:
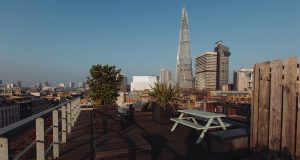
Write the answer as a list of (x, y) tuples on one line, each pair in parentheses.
[(69, 118), (40, 139), (75, 110), (72, 113), (79, 106), (4, 149), (63, 125), (55, 134)]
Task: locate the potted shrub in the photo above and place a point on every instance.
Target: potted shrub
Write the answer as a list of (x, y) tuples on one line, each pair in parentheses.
[(104, 82), (163, 99)]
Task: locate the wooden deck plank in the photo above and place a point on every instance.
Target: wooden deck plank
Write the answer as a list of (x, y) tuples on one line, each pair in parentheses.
[(79, 144)]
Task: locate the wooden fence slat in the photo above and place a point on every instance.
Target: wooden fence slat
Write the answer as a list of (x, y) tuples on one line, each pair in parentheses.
[(254, 108), (263, 106), (275, 105), (289, 107), (297, 150)]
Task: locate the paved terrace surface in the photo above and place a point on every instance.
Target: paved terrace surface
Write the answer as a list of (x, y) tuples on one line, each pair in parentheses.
[(102, 138)]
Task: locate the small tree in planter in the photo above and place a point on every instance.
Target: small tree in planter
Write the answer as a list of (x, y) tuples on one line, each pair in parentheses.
[(104, 83), (163, 99)]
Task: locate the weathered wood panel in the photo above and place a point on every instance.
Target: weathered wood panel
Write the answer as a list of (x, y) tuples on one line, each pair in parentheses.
[(254, 110), (263, 107), (275, 115), (275, 106), (289, 107), (297, 149)]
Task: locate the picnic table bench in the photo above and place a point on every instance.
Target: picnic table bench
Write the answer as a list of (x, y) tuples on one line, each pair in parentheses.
[(212, 120)]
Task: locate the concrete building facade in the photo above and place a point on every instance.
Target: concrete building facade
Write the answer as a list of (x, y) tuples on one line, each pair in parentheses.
[(184, 73), (243, 79), (222, 64), (206, 71), (140, 83)]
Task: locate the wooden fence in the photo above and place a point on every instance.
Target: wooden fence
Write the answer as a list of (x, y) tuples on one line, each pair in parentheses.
[(275, 113)]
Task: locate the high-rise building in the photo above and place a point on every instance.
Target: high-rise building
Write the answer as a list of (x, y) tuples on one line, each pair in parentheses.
[(71, 84), (19, 83), (0, 82), (61, 85), (140, 83), (243, 79), (81, 84), (222, 64), (124, 87), (46, 84), (165, 76), (184, 75), (38, 85), (206, 71)]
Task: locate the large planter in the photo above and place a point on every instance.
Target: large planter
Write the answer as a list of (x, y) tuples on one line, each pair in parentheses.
[(162, 116)]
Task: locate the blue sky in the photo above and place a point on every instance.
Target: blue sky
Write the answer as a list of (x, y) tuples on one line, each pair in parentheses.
[(58, 41)]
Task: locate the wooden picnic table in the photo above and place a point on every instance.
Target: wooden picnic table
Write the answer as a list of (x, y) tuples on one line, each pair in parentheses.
[(213, 120)]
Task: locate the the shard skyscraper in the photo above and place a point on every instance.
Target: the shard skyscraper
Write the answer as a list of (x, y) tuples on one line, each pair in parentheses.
[(184, 74)]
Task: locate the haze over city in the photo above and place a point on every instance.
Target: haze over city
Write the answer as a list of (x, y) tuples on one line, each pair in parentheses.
[(58, 41)]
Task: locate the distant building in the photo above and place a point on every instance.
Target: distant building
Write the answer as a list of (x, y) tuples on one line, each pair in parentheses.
[(243, 79), (61, 85), (71, 84), (222, 64), (165, 76), (0, 82), (140, 83), (184, 73), (206, 71), (12, 85), (124, 87), (38, 85), (46, 84), (19, 83), (81, 84)]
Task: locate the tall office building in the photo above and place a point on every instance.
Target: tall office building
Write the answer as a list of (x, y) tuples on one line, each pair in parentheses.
[(165, 76), (38, 85), (0, 82), (61, 85), (81, 84), (46, 84), (184, 76), (19, 83), (243, 79), (71, 84), (206, 71), (124, 87), (222, 64)]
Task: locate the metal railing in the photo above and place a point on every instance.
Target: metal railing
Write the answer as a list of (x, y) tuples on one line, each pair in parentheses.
[(70, 111)]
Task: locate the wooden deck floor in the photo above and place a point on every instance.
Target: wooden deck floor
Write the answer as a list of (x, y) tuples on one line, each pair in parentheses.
[(102, 138), (79, 144)]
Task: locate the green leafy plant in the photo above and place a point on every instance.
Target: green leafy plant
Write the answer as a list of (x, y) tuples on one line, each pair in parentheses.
[(164, 95), (104, 83)]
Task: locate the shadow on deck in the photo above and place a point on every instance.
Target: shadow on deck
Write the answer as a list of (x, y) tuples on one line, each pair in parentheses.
[(103, 138)]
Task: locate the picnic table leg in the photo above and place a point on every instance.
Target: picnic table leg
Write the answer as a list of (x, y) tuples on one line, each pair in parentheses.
[(176, 123), (221, 123), (204, 130)]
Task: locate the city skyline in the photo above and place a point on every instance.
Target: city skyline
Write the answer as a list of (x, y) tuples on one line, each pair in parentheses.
[(58, 42)]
